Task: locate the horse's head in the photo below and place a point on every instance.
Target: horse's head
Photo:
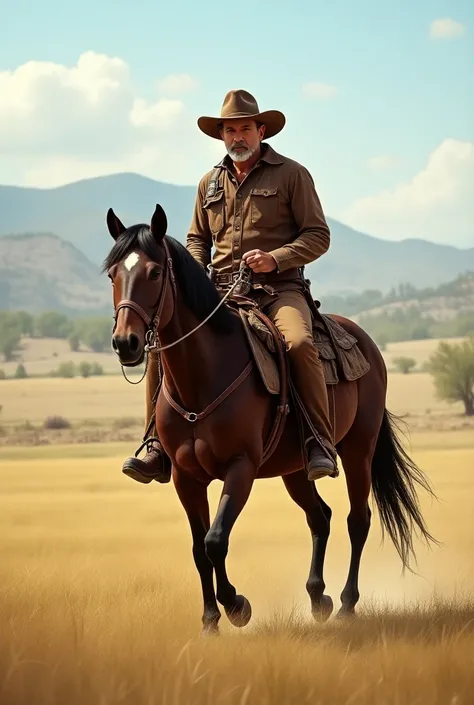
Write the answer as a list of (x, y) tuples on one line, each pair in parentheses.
[(139, 267)]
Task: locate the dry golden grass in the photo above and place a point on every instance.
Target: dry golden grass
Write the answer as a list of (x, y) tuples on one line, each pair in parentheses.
[(42, 355), (112, 397), (100, 600), (419, 350)]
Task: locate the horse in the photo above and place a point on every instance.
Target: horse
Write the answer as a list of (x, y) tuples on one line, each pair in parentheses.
[(213, 414)]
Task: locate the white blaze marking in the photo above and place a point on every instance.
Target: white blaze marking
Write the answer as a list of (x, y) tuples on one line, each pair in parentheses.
[(131, 260)]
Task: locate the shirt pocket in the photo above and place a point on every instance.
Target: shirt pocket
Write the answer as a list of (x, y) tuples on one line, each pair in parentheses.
[(264, 207), (214, 206)]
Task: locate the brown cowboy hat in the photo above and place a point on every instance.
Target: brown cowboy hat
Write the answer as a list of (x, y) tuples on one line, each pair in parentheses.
[(240, 104)]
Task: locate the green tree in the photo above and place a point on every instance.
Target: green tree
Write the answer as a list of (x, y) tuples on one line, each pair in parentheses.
[(52, 324), (452, 367), (10, 341), (66, 369), (97, 333), (85, 368), (404, 364), (25, 322), (74, 341), (20, 372), (420, 331), (10, 334), (96, 369), (464, 323)]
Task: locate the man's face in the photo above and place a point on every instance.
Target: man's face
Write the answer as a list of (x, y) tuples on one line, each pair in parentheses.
[(242, 138)]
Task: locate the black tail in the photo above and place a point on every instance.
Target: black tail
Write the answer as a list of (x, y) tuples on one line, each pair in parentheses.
[(394, 475)]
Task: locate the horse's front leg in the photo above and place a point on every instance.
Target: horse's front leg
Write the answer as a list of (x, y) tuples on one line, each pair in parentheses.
[(193, 496), (238, 482)]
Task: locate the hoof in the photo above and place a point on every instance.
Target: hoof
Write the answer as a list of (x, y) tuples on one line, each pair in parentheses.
[(323, 610), (240, 614), (346, 613), (210, 630)]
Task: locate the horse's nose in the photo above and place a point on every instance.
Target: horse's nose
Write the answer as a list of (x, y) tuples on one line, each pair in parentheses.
[(127, 347)]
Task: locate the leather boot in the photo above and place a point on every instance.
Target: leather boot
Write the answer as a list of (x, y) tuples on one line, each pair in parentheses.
[(319, 464), (154, 466)]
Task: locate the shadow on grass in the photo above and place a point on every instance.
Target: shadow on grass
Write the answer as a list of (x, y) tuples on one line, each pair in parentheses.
[(436, 620)]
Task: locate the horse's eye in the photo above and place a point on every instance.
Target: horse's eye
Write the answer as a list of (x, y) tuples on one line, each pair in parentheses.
[(155, 273)]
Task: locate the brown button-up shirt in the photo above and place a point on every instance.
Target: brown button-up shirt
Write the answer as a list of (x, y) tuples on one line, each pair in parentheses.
[(275, 209)]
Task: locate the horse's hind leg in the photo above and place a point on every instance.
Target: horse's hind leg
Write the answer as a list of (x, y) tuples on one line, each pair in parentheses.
[(318, 516), (193, 496), (356, 452)]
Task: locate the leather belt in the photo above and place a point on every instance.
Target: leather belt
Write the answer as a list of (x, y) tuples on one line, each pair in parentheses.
[(228, 278)]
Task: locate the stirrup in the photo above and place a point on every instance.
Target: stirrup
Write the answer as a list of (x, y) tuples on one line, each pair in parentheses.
[(148, 442)]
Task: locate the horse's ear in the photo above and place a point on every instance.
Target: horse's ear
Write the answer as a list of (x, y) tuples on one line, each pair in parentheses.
[(159, 223), (114, 224)]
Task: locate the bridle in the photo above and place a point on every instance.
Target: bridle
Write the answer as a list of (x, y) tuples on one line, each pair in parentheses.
[(152, 322)]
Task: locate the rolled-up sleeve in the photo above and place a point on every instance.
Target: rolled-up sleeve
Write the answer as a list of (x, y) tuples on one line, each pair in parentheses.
[(313, 235)]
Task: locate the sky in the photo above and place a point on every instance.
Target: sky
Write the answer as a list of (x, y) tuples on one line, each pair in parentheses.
[(378, 96)]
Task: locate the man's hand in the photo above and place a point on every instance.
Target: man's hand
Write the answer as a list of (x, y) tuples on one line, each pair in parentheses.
[(259, 261)]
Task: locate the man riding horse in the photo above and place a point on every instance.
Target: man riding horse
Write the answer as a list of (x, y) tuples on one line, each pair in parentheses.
[(258, 207)]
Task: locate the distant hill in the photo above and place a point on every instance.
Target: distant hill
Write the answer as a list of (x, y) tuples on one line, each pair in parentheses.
[(43, 272), (443, 303), (76, 214), (446, 311)]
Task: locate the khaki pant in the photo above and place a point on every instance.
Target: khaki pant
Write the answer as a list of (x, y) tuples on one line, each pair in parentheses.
[(291, 315)]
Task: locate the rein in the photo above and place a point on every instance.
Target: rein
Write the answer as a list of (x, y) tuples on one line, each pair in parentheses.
[(151, 336)]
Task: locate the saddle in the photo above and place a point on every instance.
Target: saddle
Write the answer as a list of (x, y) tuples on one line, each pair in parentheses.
[(338, 350)]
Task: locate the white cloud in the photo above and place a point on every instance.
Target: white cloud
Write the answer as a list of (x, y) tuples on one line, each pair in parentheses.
[(437, 204), (384, 162), (177, 84), (163, 113), (320, 91), (446, 28), (59, 123)]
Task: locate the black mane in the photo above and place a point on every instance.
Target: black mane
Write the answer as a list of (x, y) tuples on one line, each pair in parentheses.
[(198, 292)]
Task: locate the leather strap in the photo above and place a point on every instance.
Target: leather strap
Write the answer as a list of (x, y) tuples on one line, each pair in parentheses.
[(192, 415), (128, 303), (228, 278)]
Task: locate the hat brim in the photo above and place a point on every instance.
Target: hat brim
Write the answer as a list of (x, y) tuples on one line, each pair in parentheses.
[(273, 120)]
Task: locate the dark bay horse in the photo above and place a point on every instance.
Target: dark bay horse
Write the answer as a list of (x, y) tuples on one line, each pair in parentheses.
[(213, 414)]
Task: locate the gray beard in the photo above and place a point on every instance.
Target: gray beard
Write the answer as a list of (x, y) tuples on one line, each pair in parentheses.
[(240, 156)]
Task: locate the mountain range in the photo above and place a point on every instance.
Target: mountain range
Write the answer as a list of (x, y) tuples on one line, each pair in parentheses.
[(64, 233)]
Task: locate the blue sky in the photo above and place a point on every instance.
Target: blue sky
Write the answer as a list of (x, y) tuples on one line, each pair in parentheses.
[(394, 94)]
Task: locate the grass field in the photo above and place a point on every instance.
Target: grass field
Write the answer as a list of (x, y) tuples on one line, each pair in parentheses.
[(112, 397), (100, 600), (41, 356)]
